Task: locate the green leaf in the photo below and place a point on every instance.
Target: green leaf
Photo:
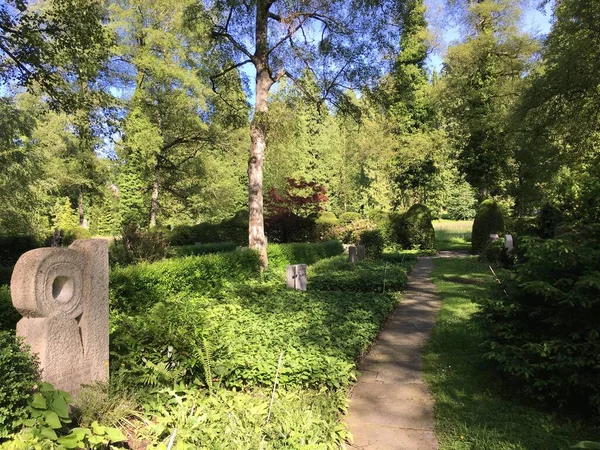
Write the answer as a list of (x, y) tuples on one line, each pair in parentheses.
[(48, 433), (52, 419), (60, 406), (115, 435), (70, 441), (38, 401)]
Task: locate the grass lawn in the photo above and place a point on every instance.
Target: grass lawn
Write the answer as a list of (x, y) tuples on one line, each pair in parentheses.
[(453, 234), (472, 412)]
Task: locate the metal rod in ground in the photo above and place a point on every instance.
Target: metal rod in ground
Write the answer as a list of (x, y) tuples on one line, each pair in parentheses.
[(275, 386), (498, 280)]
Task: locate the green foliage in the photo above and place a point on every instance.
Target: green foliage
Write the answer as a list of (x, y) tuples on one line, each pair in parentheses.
[(202, 249), (12, 247), (461, 203), (548, 220), (373, 242), (64, 216), (349, 217), (299, 419), (47, 425), (289, 227), (281, 255), (476, 408), (234, 229), (544, 332), (137, 287), (337, 274), (414, 229), (73, 234), (17, 378), (9, 316), (325, 223), (137, 245), (351, 232), (489, 220)]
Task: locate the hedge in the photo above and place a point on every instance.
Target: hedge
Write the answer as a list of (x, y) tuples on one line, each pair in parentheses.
[(488, 220)]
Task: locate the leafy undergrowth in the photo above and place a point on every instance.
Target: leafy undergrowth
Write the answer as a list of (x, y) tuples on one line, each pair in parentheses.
[(473, 410), (223, 348)]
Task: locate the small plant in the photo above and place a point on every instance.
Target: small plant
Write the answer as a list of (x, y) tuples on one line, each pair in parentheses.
[(48, 422), (17, 378), (488, 220)]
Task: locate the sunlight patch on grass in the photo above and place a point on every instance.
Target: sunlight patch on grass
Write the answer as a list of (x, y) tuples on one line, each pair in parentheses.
[(453, 234)]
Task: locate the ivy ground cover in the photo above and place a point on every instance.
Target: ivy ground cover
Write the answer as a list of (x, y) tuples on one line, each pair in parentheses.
[(222, 348)]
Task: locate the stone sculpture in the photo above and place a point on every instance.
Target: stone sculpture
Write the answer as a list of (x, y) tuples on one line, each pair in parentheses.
[(62, 294)]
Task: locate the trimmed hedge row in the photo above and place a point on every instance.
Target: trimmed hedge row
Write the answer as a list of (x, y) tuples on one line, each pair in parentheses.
[(135, 288), (203, 249), (280, 255)]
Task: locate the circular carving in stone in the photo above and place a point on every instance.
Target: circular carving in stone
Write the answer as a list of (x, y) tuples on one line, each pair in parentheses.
[(49, 282)]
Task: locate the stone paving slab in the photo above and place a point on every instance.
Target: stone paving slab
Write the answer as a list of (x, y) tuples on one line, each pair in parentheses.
[(390, 406)]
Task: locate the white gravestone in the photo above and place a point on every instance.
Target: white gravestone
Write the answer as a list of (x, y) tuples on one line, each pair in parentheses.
[(509, 243), (494, 237), (296, 277), (62, 294)]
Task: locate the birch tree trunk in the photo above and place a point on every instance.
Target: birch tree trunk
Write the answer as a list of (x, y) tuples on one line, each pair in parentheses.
[(258, 136)]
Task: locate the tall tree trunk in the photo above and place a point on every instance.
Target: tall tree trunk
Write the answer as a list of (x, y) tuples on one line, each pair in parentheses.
[(154, 203), (258, 136), (80, 211)]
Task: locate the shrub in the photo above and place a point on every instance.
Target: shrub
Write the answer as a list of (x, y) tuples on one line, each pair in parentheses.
[(488, 220), (202, 249), (281, 255), (373, 242), (234, 229), (17, 378), (349, 217), (73, 234), (414, 228), (9, 316), (324, 223), (350, 233), (337, 274), (12, 247), (548, 220), (135, 288), (289, 227), (136, 245), (543, 332)]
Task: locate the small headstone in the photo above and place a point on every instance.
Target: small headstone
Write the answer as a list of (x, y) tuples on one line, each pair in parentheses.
[(296, 277), (360, 252), (345, 246), (352, 253), (509, 243), (62, 294), (494, 237)]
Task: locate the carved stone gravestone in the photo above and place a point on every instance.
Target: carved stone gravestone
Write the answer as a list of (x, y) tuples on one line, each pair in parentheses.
[(62, 294), (360, 252), (296, 277), (352, 253), (509, 243), (494, 237)]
